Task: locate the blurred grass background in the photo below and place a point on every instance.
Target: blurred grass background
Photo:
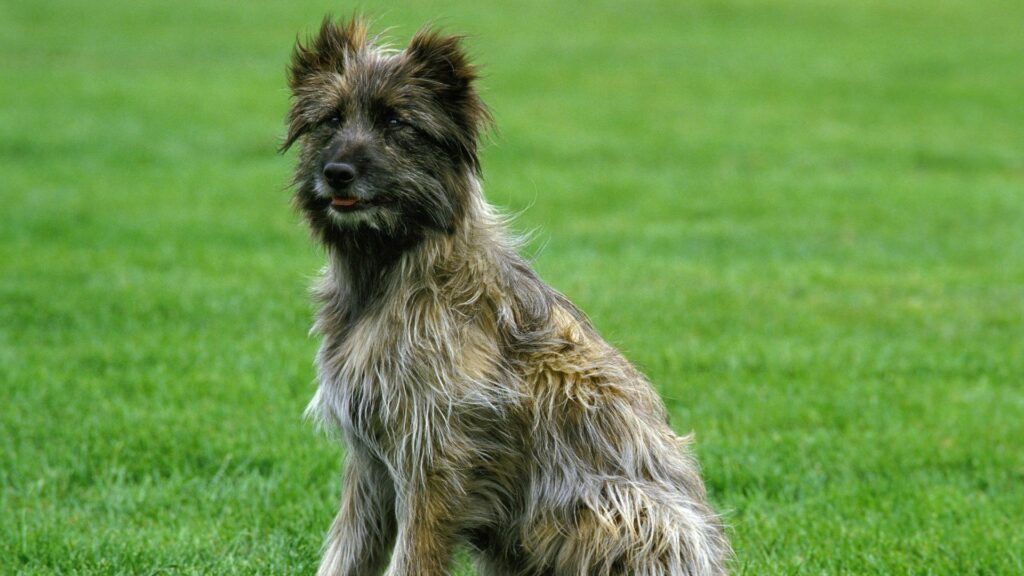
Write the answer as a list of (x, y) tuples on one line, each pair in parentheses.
[(803, 219)]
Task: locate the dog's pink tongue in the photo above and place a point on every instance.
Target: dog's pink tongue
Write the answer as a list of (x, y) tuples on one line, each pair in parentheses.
[(343, 201)]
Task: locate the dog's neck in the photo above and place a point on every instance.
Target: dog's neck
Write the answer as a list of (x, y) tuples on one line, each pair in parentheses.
[(366, 269), (361, 268)]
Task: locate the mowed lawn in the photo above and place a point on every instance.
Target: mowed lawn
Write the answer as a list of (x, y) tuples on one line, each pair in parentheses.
[(804, 220)]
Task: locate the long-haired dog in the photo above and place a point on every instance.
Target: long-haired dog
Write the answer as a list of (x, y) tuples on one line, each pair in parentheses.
[(479, 406)]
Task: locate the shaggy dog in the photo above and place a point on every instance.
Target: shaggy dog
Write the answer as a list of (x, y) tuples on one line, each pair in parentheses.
[(479, 406)]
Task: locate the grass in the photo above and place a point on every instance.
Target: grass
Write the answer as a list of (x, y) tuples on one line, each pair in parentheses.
[(803, 219)]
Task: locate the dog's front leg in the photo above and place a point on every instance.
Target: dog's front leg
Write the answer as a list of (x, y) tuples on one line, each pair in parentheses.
[(427, 525), (365, 527)]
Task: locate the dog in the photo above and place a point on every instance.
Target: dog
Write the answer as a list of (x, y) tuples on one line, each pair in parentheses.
[(479, 406)]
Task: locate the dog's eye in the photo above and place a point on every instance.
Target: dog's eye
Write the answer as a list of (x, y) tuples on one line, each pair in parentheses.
[(395, 122), (333, 120)]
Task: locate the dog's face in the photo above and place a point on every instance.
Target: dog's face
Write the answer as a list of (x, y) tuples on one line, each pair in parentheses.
[(387, 138)]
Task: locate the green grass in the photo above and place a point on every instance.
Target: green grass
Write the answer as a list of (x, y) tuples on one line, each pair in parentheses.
[(804, 220)]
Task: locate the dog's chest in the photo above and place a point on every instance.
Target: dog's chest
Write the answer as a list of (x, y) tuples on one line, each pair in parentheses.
[(397, 377), (380, 371), (365, 379)]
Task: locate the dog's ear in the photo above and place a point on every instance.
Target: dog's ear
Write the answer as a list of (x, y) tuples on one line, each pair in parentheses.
[(326, 52), (440, 62)]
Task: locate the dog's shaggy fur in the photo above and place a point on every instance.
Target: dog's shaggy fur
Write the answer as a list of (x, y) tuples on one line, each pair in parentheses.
[(479, 405)]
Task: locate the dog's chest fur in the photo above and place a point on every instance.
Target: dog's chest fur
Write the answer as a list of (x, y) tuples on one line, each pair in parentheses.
[(396, 378)]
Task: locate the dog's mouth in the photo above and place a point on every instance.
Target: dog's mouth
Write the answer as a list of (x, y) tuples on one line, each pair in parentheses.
[(347, 204)]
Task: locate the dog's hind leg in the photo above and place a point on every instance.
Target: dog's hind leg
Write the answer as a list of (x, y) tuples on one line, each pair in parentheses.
[(631, 528)]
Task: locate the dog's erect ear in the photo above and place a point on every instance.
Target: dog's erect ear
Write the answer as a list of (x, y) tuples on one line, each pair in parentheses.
[(326, 52), (441, 63)]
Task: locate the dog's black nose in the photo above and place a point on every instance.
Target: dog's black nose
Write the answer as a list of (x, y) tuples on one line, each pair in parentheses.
[(339, 175)]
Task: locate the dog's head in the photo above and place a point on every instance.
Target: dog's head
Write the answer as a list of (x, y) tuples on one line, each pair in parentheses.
[(388, 138)]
